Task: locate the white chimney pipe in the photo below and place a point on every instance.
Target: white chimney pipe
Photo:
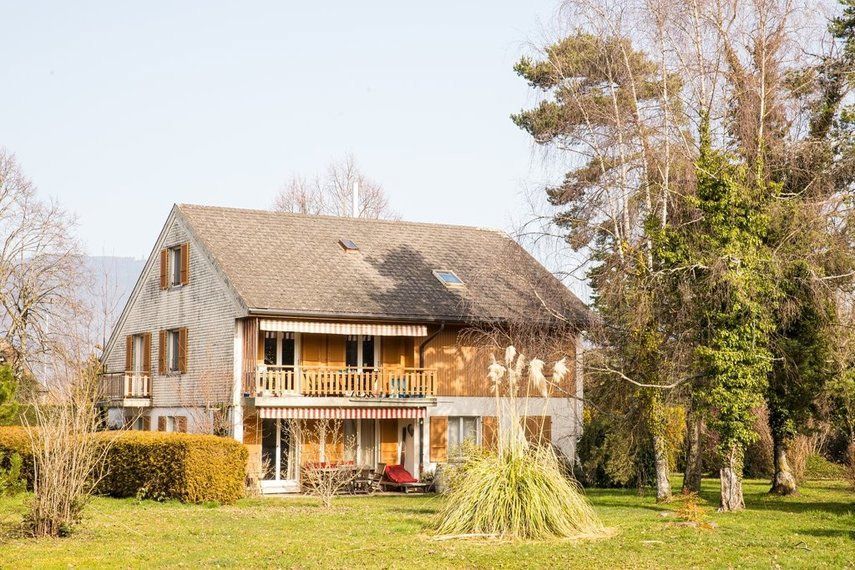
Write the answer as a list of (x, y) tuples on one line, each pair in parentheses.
[(356, 199)]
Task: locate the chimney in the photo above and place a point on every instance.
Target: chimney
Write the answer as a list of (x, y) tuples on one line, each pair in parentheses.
[(356, 199)]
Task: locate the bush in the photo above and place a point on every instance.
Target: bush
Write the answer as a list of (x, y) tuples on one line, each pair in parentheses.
[(11, 482), (818, 468), (190, 468), (15, 441)]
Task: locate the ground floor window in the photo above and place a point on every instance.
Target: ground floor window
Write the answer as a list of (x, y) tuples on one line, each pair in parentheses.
[(460, 430)]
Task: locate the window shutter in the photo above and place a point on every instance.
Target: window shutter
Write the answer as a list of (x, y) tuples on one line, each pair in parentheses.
[(538, 429), (161, 423), (161, 353), (185, 263), (489, 432), (164, 269), (146, 423), (182, 350), (181, 424), (147, 353), (438, 439), (129, 353)]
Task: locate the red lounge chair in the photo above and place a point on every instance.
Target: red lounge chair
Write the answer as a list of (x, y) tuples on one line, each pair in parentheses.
[(395, 477)]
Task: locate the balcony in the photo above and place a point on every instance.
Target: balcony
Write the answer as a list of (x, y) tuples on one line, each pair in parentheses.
[(282, 381), (131, 389)]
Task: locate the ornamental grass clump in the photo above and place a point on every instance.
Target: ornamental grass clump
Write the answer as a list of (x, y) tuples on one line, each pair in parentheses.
[(518, 490)]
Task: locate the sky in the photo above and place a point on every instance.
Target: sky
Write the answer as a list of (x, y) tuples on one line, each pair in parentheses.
[(120, 109)]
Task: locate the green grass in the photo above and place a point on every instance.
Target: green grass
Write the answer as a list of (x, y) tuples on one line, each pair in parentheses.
[(814, 529)]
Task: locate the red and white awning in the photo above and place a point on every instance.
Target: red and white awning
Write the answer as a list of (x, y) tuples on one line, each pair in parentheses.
[(322, 327), (340, 413)]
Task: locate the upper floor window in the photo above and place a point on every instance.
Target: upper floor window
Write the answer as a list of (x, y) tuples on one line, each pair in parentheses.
[(279, 348), (173, 351), (138, 353), (175, 266), (359, 351)]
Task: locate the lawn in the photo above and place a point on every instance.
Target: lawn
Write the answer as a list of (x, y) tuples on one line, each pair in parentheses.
[(816, 529)]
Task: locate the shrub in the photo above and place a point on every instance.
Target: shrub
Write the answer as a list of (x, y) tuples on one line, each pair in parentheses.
[(11, 482), (190, 468), (15, 441), (818, 468)]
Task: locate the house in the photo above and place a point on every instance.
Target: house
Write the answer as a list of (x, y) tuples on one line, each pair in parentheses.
[(244, 322)]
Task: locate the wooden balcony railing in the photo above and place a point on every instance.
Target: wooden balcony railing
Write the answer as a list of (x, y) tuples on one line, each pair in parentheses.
[(117, 386), (329, 381)]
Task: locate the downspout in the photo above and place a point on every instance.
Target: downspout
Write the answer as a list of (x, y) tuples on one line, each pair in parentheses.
[(422, 346)]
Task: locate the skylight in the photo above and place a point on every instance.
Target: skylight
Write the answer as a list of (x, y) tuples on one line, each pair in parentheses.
[(348, 245), (448, 278)]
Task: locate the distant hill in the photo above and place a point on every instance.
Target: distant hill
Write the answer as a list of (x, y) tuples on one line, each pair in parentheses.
[(113, 279)]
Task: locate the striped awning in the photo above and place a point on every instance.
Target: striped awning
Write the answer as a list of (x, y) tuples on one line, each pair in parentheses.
[(340, 413), (321, 327)]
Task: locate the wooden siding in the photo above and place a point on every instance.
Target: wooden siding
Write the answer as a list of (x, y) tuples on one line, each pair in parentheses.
[(205, 307), (461, 367)]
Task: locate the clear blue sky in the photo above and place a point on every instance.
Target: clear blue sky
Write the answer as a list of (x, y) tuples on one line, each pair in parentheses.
[(119, 110)]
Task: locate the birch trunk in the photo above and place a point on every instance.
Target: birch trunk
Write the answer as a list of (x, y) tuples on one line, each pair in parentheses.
[(783, 481), (731, 482), (663, 470), (692, 472)]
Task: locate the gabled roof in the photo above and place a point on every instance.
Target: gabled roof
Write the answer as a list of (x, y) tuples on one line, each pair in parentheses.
[(295, 265)]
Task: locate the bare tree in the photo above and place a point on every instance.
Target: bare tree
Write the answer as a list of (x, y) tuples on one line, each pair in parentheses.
[(332, 193), (41, 269), (324, 446), (68, 458)]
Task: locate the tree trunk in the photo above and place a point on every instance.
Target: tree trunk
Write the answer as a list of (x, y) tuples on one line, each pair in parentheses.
[(692, 473), (663, 470), (731, 482), (783, 481)]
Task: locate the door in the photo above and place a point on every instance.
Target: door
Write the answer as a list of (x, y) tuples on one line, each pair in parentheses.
[(277, 453)]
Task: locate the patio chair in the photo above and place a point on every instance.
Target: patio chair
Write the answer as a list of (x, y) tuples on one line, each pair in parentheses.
[(395, 477)]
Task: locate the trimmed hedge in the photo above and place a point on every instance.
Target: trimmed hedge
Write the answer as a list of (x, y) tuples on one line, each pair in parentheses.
[(156, 465), (190, 468)]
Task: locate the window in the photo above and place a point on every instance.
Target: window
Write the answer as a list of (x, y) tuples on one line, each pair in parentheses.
[(170, 423), (461, 429), (270, 348), (137, 359), (348, 245), (359, 351), (174, 266), (279, 349), (173, 348), (448, 278)]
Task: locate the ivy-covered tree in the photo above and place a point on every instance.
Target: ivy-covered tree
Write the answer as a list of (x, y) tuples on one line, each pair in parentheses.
[(735, 323)]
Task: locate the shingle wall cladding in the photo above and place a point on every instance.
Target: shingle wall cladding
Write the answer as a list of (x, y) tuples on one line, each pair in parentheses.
[(205, 306)]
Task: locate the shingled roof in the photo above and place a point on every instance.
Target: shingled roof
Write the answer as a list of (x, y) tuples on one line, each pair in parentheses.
[(295, 265)]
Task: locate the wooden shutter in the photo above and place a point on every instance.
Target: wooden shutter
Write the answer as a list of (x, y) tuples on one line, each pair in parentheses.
[(161, 423), (161, 353), (146, 423), (438, 439), (182, 350), (489, 432), (164, 269), (129, 353), (147, 353), (185, 263), (538, 429), (181, 424)]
